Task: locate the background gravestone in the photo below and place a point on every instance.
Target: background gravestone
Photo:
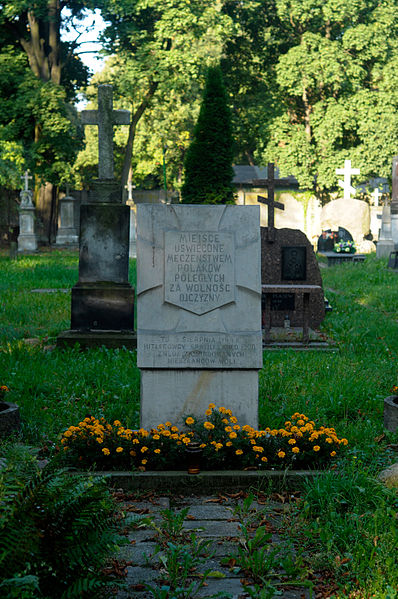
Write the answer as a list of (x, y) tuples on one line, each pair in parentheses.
[(198, 310), (102, 311), (290, 259)]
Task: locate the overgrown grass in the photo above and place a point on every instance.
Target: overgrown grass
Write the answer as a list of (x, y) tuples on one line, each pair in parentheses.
[(346, 518)]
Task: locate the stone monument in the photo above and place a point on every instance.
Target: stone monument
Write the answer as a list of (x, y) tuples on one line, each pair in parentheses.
[(385, 244), (394, 202), (27, 239), (67, 233), (103, 300), (198, 310)]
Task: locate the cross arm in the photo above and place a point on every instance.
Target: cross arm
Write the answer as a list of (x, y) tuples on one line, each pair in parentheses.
[(263, 200), (121, 117), (89, 117)]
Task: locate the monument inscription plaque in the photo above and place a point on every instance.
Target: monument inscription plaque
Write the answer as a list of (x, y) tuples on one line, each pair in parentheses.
[(294, 263), (199, 310), (199, 269)]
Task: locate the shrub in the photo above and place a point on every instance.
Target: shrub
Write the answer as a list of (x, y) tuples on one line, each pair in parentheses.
[(56, 531)]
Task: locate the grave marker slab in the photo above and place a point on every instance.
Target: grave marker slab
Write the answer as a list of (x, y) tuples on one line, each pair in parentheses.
[(198, 311)]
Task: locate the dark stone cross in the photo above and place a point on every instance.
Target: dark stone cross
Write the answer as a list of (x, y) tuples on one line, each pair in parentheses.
[(105, 117), (270, 199)]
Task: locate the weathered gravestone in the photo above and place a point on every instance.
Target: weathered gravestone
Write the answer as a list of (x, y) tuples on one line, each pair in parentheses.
[(103, 299), (198, 310), (394, 202), (27, 238), (385, 244), (67, 233)]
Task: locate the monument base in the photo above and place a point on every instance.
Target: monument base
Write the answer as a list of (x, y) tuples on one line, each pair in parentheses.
[(169, 395), (87, 339), (384, 247), (67, 238), (102, 306), (27, 243)]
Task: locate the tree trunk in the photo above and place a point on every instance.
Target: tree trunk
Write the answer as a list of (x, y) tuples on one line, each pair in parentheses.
[(130, 141)]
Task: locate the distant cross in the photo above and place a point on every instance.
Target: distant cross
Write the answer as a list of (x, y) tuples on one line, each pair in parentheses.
[(105, 117), (26, 178), (347, 171), (270, 199), (130, 188), (376, 195)]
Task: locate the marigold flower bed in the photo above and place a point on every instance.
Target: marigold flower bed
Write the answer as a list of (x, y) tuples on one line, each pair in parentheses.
[(224, 443)]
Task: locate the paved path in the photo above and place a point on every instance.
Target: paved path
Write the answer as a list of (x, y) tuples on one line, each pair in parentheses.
[(210, 519)]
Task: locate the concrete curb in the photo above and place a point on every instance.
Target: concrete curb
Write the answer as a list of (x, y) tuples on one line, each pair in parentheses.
[(208, 482)]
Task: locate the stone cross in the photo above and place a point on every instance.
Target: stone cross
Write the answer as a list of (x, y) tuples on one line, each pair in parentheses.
[(270, 199), (105, 117), (26, 178), (129, 188), (347, 171), (376, 195)]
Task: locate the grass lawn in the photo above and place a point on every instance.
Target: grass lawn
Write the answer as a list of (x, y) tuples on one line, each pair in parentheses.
[(348, 521)]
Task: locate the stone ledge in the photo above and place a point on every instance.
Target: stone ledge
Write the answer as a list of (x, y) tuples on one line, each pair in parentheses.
[(208, 482)]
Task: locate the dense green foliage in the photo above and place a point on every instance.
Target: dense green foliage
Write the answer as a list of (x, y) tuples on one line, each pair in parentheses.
[(208, 163), (55, 531)]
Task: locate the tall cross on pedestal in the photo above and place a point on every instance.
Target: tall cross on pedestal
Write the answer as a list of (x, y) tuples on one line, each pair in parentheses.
[(26, 178), (105, 117), (270, 199), (347, 171)]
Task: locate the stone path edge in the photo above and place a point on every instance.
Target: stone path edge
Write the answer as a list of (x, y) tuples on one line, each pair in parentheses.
[(208, 482)]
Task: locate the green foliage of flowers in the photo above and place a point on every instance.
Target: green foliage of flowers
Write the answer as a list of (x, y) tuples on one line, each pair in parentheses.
[(345, 247), (224, 443)]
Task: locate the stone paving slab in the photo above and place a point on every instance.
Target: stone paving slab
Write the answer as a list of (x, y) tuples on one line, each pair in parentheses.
[(212, 521)]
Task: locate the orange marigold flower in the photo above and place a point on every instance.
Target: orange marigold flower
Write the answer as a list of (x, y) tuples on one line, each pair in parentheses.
[(99, 440), (208, 426), (132, 453), (225, 421), (292, 441), (156, 437), (105, 451), (258, 448), (208, 412), (202, 445), (316, 448), (332, 453), (119, 449), (189, 420), (135, 441), (174, 429), (264, 459), (238, 452), (233, 419), (344, 441), (233, 435), (157, 450), (211, 406), (236, 427), (281, 454), (295, 449), (144, 462), (229, 443), (329, 440), (116, 423), (144, 449)]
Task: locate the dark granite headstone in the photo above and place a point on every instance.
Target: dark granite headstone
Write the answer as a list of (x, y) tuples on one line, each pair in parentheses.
[(393, 260), (290, 259), (326, 241), (344, 235)]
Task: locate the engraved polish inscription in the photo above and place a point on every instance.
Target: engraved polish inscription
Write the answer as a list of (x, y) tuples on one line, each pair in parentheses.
[(201, 350), (199, 269)]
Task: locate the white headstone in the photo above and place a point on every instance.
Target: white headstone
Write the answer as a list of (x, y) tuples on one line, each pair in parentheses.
[(198, 311), (347, 171)]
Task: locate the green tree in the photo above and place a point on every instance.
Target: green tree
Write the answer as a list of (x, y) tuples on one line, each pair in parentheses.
[(337, 90), (208, 163), (160, 52), (34, 63)]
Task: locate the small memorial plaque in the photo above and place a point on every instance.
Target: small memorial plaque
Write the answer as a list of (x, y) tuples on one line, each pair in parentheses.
[(294, 263), (282, 301), (199, 269)]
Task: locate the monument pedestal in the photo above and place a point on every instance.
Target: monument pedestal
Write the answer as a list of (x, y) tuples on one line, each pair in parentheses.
[(27, 239), (67, 234), (236, 390), (102, 308)]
